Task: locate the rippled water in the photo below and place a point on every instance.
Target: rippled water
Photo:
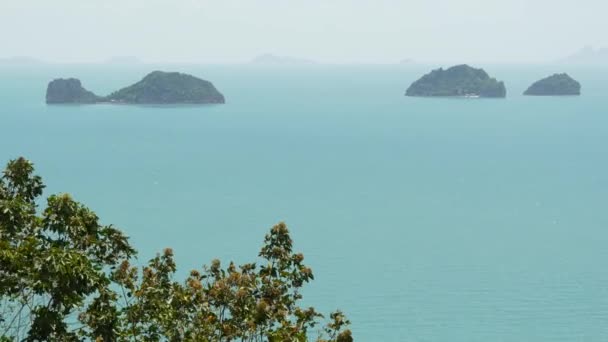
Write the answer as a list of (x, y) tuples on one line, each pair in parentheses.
[(424, 219)]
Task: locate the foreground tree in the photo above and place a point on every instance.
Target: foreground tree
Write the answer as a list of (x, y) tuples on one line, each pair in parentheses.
[(66, 277)]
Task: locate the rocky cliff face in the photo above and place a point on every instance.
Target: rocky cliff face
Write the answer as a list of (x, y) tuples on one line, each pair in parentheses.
[(68, 90), (555, 85), (460, 80)]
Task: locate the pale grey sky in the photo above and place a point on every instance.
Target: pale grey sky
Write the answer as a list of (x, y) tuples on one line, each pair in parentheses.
[(333, 31)]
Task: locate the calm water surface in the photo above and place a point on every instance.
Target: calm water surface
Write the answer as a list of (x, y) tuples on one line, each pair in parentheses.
[(424, 219)]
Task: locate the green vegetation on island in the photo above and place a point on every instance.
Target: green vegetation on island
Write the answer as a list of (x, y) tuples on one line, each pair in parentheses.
[(460, 80), (158, 87), (555, 85), (168, 87), (69, 90), (66, 277)]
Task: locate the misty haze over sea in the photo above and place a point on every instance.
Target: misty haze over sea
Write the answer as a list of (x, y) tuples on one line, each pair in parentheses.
[(423, 219)]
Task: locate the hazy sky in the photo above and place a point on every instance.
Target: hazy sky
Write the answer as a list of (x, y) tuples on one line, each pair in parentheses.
[(335, 31)]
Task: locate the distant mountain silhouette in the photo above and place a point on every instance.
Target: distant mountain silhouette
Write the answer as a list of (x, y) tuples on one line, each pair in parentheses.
[(124, 60), (20, 60), (270, 59), (407, 61), (588, 55)]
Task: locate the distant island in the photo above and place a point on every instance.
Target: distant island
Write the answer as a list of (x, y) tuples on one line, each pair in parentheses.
[(588, 56), (124, 60), (270, 59), (157, 87), (555, 85), (69, 90), (460, 80), (20, 60)]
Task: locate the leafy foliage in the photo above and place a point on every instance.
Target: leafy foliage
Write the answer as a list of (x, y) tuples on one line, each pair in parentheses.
[(168, 87), (65, 277), (460, 80), (555, 85)]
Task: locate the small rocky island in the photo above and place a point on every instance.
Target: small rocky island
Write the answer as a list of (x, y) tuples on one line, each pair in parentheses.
[(69, 90), (555, 85), (460, 80), (158, 87)]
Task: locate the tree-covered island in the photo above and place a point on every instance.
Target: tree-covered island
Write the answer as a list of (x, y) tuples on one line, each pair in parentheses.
[(157, 87), (555, 85), (460, 80)]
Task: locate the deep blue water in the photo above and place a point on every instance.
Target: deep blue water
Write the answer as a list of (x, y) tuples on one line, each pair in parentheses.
[(423, 219)]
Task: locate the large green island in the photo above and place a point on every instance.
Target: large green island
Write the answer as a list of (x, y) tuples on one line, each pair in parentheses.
[(460, 81), (555, 85), (157, 87)]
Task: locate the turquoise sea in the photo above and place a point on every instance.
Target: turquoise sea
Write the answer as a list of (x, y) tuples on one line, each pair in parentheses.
[(460, 220)]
